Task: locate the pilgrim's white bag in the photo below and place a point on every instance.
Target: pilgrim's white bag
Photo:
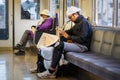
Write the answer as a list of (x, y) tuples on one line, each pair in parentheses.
[(47, 40), (46, 50)]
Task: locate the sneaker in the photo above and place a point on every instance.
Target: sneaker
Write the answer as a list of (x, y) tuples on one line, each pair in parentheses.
[(20, 53), (33, 70), (18, 47), (46, 74)]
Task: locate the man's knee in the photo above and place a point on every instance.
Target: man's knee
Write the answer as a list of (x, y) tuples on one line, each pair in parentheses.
[(27, 31), (60, 46)]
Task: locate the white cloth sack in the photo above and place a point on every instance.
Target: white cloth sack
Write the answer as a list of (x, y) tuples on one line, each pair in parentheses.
[(43, 44), (47, 53)]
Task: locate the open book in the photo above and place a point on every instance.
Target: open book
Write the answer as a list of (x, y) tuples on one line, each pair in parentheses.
[(47, 40)]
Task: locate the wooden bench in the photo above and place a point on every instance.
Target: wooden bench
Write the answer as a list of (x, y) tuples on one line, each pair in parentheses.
[(103, 59)]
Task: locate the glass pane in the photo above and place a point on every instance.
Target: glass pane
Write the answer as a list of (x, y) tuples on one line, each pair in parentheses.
[(58, 4), (69, 3), (76, 3), (104, 12), (30, 9), (2, 14), (52, 7), (4, 19), (118, 13)]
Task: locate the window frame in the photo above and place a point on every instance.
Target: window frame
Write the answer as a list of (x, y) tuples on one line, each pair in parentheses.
[(94, 20), (25, 12), (4, 33), (115, 15)]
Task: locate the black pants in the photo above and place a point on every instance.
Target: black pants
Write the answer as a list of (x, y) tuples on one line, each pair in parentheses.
[(40, 63), (25, 38), (57, 54)]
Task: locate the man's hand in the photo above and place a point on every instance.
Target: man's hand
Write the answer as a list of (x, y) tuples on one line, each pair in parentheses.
[(63, 33)]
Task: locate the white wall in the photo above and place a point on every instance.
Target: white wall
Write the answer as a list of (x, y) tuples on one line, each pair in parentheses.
[(44, 4), (20, 24), (86, 6)]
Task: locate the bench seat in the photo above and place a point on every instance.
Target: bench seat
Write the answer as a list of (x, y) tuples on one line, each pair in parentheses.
[(101, 65), (103, 59)]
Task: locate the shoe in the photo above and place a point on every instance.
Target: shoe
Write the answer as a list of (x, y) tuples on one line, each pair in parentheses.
[(33, 70), (46, 74), (20, 53), (18, 47)]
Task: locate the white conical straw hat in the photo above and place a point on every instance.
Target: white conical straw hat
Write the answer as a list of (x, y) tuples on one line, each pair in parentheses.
[(47, 40)]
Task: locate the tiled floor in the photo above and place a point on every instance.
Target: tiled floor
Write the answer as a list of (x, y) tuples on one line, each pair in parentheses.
[(14, 67)]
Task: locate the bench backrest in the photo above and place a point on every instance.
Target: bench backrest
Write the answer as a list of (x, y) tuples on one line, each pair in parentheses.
[(106, 41)]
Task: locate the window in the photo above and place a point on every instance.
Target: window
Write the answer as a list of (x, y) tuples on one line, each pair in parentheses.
[(69, 3), (76, 3), (30, 9), (72, 3), (58, 4), (53, 7), (3, 19), (104, 12)]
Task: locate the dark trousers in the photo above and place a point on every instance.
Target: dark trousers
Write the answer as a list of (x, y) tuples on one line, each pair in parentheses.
[(64, 47), (25, 37), (40, 63), (57, 54)]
